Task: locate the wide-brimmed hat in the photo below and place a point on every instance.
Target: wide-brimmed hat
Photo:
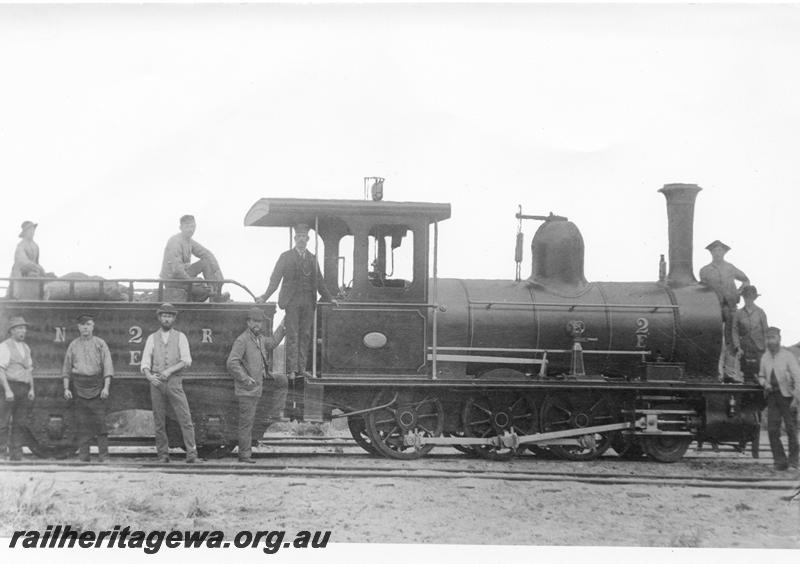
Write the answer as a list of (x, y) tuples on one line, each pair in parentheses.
[(750, 291), (256, 314), (718, 243), (166, 308), (16, 321), (27, 225)]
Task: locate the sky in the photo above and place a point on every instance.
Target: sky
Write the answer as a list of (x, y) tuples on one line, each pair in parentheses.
[(117, 120)]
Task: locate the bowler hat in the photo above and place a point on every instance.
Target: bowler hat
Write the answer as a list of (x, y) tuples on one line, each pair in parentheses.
[(256, 314), (301, 228), (167, 308), (718, 243), (16, 321), (750, 291), (27, 225)]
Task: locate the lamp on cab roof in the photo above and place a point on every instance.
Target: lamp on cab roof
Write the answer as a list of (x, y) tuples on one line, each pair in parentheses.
[(376, 190)]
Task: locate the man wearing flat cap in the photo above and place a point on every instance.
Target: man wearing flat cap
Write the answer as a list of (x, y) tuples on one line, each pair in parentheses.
[(16, 378), (721, 276), (301, 279), (779, 375), (26, 256), (88, 370), (177, 263), (165, 355), (248, 363), (750, 333)]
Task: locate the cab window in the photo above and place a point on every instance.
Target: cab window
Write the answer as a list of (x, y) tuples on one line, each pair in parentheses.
[(390, 256)]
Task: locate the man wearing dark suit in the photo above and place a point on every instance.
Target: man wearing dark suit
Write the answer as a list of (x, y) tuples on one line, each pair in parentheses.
[(248, 363), (302, 279)]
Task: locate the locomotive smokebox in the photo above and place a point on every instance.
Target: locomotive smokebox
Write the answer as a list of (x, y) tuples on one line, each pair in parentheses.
[(680, 215), (557, 263)]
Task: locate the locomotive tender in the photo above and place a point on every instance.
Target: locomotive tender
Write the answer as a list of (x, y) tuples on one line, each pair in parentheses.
[(554, 363)]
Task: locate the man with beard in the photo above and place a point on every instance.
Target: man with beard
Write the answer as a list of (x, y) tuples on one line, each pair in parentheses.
[(298, 273), (16, 378), (779, 375), (88, 367), (249, 365), (165, 355)]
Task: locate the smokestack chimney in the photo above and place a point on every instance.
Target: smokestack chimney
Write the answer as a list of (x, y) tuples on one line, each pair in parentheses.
[(680, 215)]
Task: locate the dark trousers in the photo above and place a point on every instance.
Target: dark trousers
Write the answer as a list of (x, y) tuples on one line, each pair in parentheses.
[(750, 363), (199, 292), (90, 419), (247, 415), (778, 410), (14, 416), (298, 321), (171, 392)]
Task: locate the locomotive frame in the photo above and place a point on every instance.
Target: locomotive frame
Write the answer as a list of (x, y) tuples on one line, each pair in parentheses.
[(552, 364)]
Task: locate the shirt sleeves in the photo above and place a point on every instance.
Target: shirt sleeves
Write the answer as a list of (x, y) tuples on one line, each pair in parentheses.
[(203, 253), (173, 259), (5, 356), (108, 364), (183, 347), (66, 368), (147, 354)]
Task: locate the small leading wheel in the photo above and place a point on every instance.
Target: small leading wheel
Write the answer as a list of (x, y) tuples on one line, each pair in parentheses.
[(358, 429), (410, 413), (561, 412), (627, 446), (666, 449), (493, 415)]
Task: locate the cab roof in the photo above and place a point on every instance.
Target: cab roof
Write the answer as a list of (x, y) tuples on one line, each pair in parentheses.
[(286, 212)]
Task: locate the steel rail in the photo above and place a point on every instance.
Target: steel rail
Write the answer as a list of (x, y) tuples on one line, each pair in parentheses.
[(304, 471)]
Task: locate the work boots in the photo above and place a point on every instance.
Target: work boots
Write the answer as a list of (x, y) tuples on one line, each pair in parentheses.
[(83, 452), (102, 448)]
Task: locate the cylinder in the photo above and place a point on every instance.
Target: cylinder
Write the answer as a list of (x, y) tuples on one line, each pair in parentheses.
[(680, 217)]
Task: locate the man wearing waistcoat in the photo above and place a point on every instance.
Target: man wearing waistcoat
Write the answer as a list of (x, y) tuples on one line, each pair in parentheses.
[(779, 375), (299, 271), (248, 363), (165, 355), (16, 378), (88, 369)]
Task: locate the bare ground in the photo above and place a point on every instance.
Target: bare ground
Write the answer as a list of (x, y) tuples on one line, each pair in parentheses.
[(417, 510)]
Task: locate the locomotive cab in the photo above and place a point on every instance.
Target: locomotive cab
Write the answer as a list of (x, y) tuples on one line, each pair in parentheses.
[(376, 257)]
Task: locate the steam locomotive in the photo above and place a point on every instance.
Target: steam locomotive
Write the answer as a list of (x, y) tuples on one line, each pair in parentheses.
[(551, 364)]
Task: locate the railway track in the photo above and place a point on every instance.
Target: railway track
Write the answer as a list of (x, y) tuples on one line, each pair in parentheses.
[(435, 468)]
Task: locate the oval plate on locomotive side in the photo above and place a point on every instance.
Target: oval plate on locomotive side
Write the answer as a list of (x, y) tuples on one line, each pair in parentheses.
[(375, 340)]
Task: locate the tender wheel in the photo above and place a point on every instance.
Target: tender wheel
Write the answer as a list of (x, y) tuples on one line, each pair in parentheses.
[(213, 452), (52, 451), (666, 449), (412, 412), (493, 415), (57, 451), (562, 411), (358, 429)]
